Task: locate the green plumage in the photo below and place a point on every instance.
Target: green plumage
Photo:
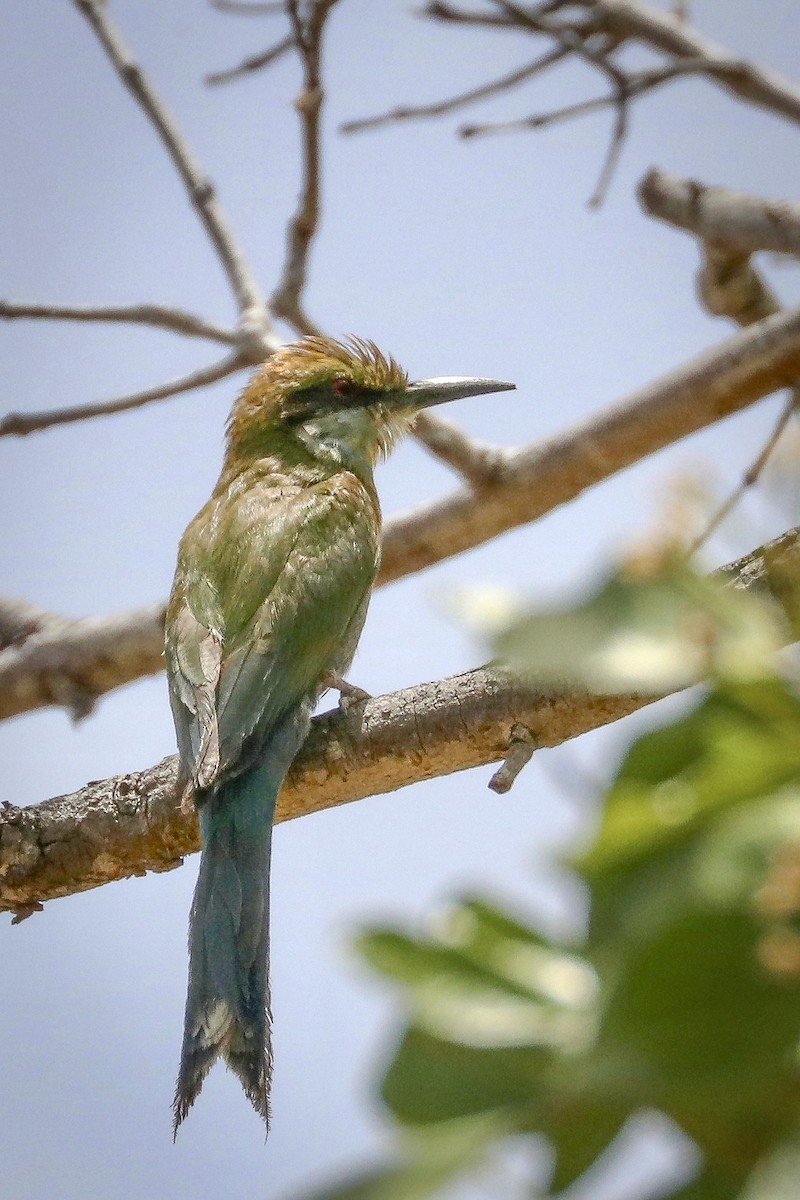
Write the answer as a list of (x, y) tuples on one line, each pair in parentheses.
[(270, 593)]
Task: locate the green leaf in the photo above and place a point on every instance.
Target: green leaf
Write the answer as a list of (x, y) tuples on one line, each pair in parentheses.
[(653, 629), (738, 744), (580, 1131), (429, 1160), (704, 1028), (431, 1079), (482, 980)]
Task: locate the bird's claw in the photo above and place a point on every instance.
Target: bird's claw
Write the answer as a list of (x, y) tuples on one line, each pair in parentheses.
[(350, 696)]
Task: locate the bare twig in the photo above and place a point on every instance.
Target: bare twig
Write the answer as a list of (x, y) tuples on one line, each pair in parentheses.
[(749, 479), (23, 423), (441, 107), (253, 312), (255, 62), (621, 21), (286, 299), (157, 315), (530, 481), (449, 12), (254, 339), (629, 89), (538, 120), (134, 823), (250, 8), (520, 752)]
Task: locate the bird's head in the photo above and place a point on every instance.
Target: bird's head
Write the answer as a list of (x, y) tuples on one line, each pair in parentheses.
[(346, 394)]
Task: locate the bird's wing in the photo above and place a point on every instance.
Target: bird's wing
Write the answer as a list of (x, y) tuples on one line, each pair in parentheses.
[(269, 595)]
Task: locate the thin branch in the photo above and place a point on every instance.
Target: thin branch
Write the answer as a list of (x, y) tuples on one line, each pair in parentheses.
[(255, 63), (750, 477), (258, 8), (199, 188), (134, 823), (449, 13), (539, 120), (661, 30), (19, 424), (286, 300), (441, 107), (157, 315), (530, 481), (632, 88)]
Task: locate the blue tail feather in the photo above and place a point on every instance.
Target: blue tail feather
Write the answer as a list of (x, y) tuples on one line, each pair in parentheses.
[(227, 1004)]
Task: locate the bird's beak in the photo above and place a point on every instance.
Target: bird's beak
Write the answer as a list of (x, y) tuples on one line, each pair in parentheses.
[(428, 392)]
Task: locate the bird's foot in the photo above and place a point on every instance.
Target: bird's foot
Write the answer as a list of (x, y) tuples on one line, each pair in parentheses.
[(350, 696)]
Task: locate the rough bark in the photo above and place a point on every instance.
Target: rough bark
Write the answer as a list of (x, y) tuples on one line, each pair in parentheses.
[(131, 824)]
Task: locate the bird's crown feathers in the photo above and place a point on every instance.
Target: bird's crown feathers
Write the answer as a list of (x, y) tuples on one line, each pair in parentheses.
[(304, 367)]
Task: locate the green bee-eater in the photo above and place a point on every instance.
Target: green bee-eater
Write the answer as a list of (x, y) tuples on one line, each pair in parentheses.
[(270, 593)]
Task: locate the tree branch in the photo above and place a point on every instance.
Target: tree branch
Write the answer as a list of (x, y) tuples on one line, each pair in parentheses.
[(730, 226), (525, 483), (20, 424), (478, 463), (715, 214), (440, 108), (255, 62), (286, 299), (252, 309), (47, 659), (157, 315), (630, 19), (133, 823), (533, 480)]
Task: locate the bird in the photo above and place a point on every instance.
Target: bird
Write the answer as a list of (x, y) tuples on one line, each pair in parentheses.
[(270, 594)]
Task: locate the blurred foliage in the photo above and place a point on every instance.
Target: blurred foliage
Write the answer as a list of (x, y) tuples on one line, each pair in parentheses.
[(684, 995)]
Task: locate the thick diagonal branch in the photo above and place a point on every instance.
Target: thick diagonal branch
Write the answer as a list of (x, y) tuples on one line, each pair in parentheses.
[(521, 485), (47, 659), (133, 823)]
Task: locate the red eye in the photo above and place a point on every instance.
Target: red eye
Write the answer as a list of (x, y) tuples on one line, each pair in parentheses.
[(343, 387)]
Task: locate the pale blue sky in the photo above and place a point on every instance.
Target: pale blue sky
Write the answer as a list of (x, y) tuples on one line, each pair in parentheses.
[(460, 258)]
